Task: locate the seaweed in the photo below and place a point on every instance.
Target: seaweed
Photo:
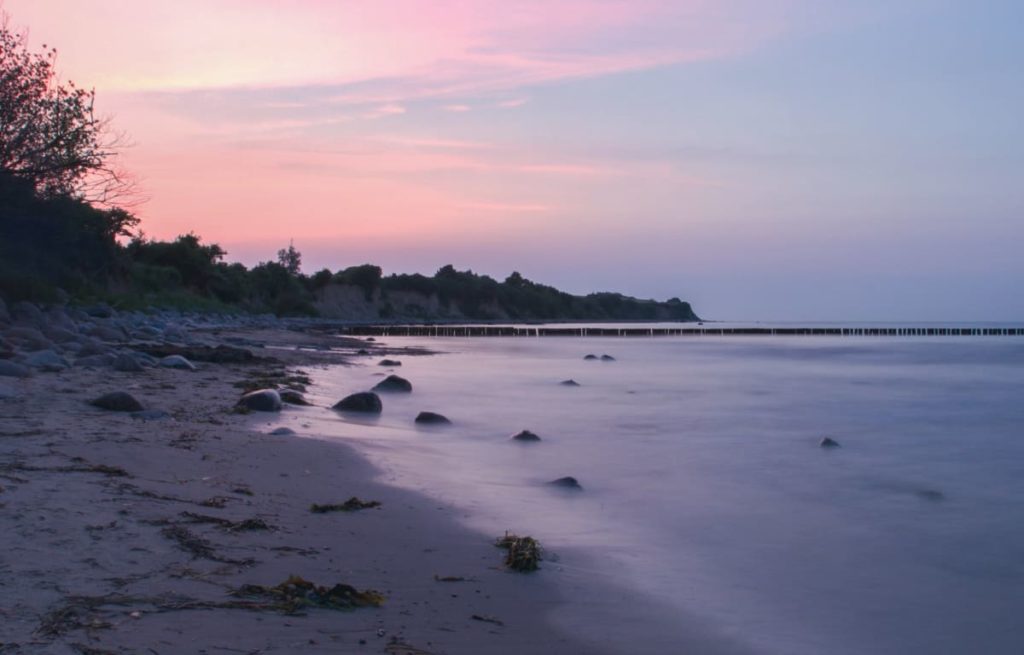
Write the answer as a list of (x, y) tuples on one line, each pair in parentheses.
[(523, 553), (226, 524), (353, 504), (487, 619), (200, 548), (275, 379), (297, 593)]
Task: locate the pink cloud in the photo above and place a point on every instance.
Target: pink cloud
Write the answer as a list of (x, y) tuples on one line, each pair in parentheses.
[(457, 108)]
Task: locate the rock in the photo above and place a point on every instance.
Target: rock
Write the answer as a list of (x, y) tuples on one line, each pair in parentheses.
[(99, 310), (591, 356), (261, 400), (6, 392), (108, 334), (95, 361), (60, 335), (117, 401), (569, 383), (9, 369), (178, 362), (27, 314), (47, 360), (568, 482), (607, 358), (5, 316), (829, 442), (92, 346), (127, 364), (525, 435), (28, 337), (293, 397), (370, 339), (151, 415), (364, 401), (431, 418), (389, 362), (362, 351), (395, 384), (282, 432)]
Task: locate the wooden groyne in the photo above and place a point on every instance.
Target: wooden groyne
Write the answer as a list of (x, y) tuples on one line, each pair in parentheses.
[(694, 331)]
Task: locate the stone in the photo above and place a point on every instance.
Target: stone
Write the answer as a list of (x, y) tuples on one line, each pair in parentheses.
[(178, 362), (282, 432), (5, 316), (829, 442), (9, 369), (364, 401), (432, 418), (394, 383), (117, 401), (568, 482), (362, 351), (27, 314), (60, 335), (591, 356), (569, 383), (108, 334), (151, 415), (95, 361), (261, 400), (293, 397), (92, 346), (47, 360), (525, 435), (99, 310), (389, 362), (607, 358), (127, 364), (28, 337)]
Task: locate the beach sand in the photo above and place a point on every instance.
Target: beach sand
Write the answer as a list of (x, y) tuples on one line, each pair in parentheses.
[(114, 541)]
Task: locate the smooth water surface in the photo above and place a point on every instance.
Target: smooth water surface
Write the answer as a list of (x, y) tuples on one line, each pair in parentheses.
[(706, 491)]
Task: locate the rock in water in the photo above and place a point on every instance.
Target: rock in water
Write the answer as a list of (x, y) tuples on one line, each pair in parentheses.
[(9, 369), (282, 432), (525, 435), (178, 362), (292, 397), (389, 362), (394, 383), (432, 418), (364, 401), (569, 383), (591, 356), (127, 364), (829, 442), (117, 401), (607, 358), (261, 400), (568, 482)]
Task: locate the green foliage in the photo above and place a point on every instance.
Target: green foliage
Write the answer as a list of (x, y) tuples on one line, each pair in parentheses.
[(367, 277)]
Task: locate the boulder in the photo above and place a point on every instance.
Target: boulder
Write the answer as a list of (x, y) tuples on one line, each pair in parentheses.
[(293, 397), (5, 316), (591, 356), (364, 401), (362, 351), (261, 400), (829, 442), (569, 383), (95, 361), (525, 435), (178, 362), (92, 346), (126, 364), (108, 333), (27, 314), (389, 362), (568, 482), (607, 358), (282, 432), (9, 369), (28, 337), (47, 360), (117, 401), (432, 418), (99, 310), (394, 383)]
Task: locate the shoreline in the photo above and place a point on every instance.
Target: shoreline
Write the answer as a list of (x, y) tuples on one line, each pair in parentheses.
[(124, 534)]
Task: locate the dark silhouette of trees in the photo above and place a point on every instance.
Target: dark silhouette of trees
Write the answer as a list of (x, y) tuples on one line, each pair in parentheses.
[(50, 136)]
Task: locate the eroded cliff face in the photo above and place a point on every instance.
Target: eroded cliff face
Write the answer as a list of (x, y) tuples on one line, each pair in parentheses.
[(343, 301)]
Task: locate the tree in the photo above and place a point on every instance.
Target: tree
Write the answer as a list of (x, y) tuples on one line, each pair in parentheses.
[(290, 259), (50, 136)]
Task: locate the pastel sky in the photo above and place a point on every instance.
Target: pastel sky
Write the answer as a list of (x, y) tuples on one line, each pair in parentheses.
[(764, 159)]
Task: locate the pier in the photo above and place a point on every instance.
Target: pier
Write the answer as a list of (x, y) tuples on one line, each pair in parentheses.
[(688, 331)]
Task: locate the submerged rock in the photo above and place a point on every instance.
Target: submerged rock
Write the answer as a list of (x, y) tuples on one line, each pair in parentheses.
[(282, 432), (389, 362), (127, 364), (365, 401), (117, 401), (568, 482), (607, 358), (591, 356), (9, 369), (178, 362), (432, 418), (394, 383), (293, 397), (569, 383), (261, 400), (829, 442), (525, 435)]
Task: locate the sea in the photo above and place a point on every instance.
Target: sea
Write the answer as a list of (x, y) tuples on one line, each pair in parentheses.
[(710, 519)]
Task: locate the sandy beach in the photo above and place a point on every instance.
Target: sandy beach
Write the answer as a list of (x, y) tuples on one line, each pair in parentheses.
[(138, 533)]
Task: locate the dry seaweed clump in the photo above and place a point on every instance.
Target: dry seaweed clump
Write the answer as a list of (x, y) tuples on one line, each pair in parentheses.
[(353, 504), (296, 593), (275, 379), (523, 553)]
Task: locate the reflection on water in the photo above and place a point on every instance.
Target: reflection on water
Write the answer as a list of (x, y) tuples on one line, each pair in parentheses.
[(705, 485)]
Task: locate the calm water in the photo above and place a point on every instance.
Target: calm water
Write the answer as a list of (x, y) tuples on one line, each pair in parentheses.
[(706, 492)]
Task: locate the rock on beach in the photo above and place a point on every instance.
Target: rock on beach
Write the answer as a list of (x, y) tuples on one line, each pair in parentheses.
[(366, 402), (394, 383), (261, 400), (117, 401)]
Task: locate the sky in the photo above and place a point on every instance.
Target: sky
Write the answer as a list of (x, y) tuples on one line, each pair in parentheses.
[(763, 159)]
